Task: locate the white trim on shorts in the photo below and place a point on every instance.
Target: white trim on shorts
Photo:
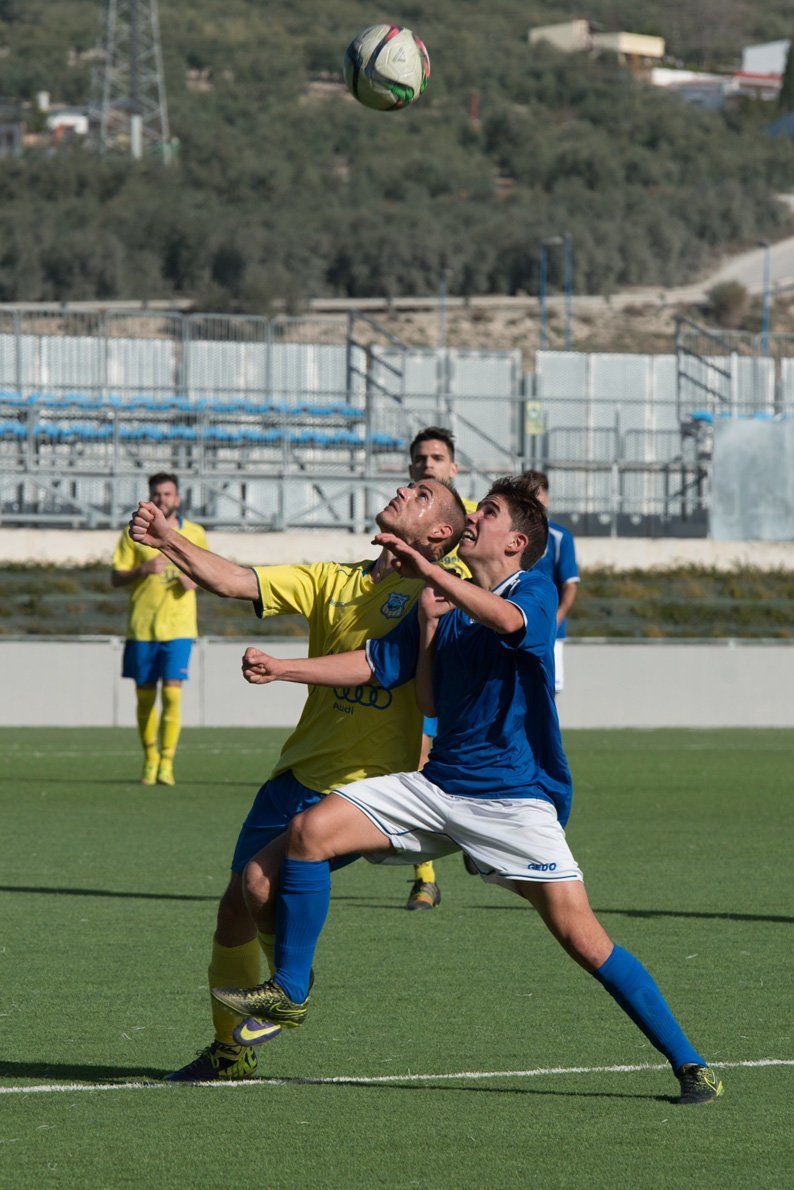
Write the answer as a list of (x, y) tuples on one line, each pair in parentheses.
[(559, 666), (507, 838)]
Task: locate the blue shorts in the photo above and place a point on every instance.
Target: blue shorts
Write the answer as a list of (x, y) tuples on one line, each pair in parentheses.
[(279, 800), (151, 661)]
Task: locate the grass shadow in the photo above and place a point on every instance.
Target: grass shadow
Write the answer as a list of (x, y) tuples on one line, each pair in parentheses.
[(105, 892), (71, 1070)]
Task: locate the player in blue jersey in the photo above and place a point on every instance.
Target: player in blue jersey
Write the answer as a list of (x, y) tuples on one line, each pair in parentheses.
[(496, 785), (559, 564)]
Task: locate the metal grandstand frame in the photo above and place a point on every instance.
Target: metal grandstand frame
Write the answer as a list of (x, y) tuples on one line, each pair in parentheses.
[(299, 422)]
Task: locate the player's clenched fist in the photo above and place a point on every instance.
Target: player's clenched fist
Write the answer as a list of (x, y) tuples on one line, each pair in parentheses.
[(259, 668), (148, 525)]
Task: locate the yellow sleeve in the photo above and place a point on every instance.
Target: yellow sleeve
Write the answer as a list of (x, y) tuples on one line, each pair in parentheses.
[(124, 553), (288, 590)]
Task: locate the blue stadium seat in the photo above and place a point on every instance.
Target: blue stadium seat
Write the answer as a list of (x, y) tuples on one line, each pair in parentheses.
[(12, 429)]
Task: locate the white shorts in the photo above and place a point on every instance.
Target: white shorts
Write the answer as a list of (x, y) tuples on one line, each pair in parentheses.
[(507, 838), (559, 667)]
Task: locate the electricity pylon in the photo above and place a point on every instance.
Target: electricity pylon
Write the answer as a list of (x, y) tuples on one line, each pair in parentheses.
[(129, 103)]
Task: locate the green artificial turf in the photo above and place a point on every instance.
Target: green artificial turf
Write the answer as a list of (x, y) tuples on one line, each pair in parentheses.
[(107, 906)]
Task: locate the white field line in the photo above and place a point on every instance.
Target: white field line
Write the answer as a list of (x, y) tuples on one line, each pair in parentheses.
[(376, 1080)]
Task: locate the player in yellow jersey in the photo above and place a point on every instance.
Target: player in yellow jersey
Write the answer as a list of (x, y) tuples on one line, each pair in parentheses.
[(432, 455), (161, 628), (343, 733)]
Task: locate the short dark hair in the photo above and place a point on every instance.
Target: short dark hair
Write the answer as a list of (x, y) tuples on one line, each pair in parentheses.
[(458, 514), (536, 479), (163, 477), (434, 434), (527, 514)]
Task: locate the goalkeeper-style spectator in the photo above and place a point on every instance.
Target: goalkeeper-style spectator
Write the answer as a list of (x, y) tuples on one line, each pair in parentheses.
[(558, 564), (161, 628)]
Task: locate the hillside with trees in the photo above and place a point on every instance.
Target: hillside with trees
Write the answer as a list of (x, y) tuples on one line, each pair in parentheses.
[(284, 189)]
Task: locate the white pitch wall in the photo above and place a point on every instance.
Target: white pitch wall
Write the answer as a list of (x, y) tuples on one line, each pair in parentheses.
[(75, 683)]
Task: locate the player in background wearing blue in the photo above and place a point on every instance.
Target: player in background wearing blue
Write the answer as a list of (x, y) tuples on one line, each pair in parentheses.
[(496, 785), (161, 628), (432, 456), (343, 733), (558, 564)]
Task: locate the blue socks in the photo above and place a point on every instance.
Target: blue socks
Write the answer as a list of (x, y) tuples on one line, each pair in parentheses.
[(634, 989), (304, 897)]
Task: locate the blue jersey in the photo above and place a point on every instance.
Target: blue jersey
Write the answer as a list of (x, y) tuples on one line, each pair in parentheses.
[(498, 732), (559, 563)]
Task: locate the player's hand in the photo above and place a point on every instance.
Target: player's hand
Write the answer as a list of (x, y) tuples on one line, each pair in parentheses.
[(260, 668), (154, 565), (149, 527), (407, 561), (432, 605)]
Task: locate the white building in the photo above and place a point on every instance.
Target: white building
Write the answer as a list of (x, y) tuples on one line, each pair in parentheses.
[(765, 59), (579, 36)]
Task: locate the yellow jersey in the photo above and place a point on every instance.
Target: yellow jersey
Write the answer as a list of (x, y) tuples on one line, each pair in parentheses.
[(160, 607), (451, 561), (345, 733)]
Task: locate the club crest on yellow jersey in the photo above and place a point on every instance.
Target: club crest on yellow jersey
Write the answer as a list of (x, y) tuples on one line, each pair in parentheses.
[(394, 606)]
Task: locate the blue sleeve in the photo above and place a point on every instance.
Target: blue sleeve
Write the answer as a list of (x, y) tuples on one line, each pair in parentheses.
[(565, 568), (538, 605), (392, 658), (430, 727)]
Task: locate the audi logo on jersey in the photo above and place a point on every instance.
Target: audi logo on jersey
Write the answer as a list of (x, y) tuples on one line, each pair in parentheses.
[(364, 696)]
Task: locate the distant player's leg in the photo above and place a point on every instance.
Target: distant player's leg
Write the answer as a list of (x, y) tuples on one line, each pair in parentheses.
[(170, 729), (148, 719), (565, 908), (425, 892), (333, 829), (175, 660)]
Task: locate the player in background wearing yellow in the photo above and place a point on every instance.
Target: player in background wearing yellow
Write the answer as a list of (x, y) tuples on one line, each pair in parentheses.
[(343, 733), (162, 626), (432, 455)]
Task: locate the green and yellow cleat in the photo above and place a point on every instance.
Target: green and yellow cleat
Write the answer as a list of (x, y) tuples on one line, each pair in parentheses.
[(165, 773), (149, 774), (699, 1084), (267, 1003), (424, 894), (217, 1061)]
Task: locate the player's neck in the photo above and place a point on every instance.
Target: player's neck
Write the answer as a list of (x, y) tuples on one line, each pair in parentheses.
[(383, 566), (489, 574)]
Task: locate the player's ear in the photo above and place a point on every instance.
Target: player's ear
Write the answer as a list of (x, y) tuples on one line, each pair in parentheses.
[(517, 543), (440, 533)]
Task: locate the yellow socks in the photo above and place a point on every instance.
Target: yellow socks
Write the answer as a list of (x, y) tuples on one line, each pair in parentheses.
[(147, 720), (171, 721), (425, 872), (267, 943), (236, 967)]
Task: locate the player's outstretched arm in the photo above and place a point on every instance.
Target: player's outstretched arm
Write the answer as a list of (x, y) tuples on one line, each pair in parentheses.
[(489, 610), (337, 669), (149, 527)]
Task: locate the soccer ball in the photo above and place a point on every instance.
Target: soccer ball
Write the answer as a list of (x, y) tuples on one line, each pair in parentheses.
[(386, 67)]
